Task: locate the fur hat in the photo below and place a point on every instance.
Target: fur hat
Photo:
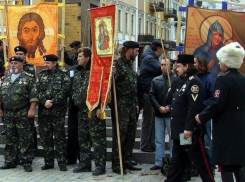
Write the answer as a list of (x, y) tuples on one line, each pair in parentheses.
[(231, 55)]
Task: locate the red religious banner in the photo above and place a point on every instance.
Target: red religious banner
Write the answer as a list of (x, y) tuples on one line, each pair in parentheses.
[(102, 27), (208, 30)]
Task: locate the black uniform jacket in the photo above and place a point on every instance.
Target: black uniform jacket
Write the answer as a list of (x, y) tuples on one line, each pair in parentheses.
[(187, 102), (158, 91), (227, 109)]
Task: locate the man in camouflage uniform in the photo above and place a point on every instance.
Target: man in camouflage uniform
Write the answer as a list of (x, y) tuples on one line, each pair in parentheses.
[(126, 91), (91, 131), (53, 88), (27, 67), (2, 69), (75, 47), (19, 97)]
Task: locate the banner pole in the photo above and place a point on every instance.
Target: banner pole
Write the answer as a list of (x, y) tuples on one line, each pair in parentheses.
[(178, 27), (63, 33), (169, 81), (3, 35), (7, 28)]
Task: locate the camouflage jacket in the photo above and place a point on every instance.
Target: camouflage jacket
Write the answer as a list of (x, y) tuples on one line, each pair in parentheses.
[(80, 86), (125, 80), (2, 69), (53, 86), (70, 61), (19, 94), (29, 68)]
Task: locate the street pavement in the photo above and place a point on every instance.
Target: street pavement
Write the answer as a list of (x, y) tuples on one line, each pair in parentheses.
[(18, 174)]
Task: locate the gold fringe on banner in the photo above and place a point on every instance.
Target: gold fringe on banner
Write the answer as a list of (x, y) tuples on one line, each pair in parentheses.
[(90, 114), (103, 115), (60, 36)]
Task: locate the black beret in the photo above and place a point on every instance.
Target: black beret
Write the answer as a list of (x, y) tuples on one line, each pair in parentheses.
[(131, 44), (156, 43), (16, 58), (75, 44), (185, 58), (20, 48), (50, 57)]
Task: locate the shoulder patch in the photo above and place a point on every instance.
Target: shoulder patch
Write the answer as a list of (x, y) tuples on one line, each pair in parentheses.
[(216, 93), (191, 77), (194, 89)]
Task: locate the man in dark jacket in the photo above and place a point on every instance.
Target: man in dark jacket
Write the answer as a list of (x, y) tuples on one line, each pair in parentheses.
[(75, 47), (187, 101), (149, 69), (227, 109), (159, 89)]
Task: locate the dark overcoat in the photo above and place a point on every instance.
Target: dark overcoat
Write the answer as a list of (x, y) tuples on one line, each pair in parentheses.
[(227, 109)]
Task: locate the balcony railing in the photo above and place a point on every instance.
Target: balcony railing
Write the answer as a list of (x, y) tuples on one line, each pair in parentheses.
[(145, 38), (170, 13), (159, 6)]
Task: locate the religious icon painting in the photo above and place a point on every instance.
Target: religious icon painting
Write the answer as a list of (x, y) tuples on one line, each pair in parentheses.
[(104, 35), (34, 27), (208, 30)]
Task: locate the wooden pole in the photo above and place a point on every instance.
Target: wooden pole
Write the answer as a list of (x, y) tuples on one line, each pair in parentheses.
[(115, 96), (7, 26), (178, 27), (167, 65), (3, 34), (63, 32), (118, 129)]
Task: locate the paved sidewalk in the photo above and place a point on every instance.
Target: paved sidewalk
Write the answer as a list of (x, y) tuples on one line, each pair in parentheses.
[(18, 174)]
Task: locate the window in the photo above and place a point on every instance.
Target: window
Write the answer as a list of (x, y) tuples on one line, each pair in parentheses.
[(147, 27), (156, 31), (26, 2), (132, 26), (152, 26), (120, 20), (163, 33), (140, 22), (126, 22)]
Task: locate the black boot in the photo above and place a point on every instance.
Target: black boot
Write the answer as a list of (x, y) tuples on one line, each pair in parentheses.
[(227, 177), (165, 165), (187, 174), (240, 175)]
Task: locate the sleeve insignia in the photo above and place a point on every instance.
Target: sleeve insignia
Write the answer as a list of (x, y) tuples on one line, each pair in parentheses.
[(191, 77), (194, 96), (31, 68), (194, 89), (217, 93)]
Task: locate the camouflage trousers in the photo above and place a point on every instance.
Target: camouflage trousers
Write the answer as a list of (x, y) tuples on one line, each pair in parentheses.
[(127, 127), (49, 126), (92, 133), (19, 135)]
